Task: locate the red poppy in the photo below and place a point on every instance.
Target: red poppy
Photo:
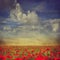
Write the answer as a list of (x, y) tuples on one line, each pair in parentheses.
[(18, 59), (57, 59), (58, 53), (2, 57), (1, 49), (40, 58), (8, 56)]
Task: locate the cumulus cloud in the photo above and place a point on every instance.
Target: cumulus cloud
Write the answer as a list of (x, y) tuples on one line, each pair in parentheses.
[(52, 24), (32, 17), (55, 27), (20, 23), (18, 15), (28, 23)]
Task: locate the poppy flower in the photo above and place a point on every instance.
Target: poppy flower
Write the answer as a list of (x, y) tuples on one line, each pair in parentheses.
[(2, 57), (1, 49), (18, 59), (8, 56), (57, 59), (40, 58)]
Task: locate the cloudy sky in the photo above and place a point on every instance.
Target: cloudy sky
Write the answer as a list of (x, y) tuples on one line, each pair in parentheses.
[(27, 19), (45, 8), (29, 12)]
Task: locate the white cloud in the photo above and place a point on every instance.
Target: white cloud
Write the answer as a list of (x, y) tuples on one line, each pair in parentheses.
[(28, 31), (55, 27), (32, 17), (18, 15), (52, 23), (30, 20), (7, 28)]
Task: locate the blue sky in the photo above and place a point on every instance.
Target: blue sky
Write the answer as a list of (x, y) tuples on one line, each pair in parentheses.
[(46, 9), (28, 24)]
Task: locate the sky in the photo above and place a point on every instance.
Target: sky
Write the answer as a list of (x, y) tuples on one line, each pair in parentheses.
[(44, 8), (27, 20), (29, 12)]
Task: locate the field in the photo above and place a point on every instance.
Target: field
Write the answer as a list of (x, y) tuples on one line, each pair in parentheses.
[(29, 52), (29, 49)]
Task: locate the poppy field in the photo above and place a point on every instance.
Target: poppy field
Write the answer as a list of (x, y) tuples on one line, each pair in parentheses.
[(29, 52)]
